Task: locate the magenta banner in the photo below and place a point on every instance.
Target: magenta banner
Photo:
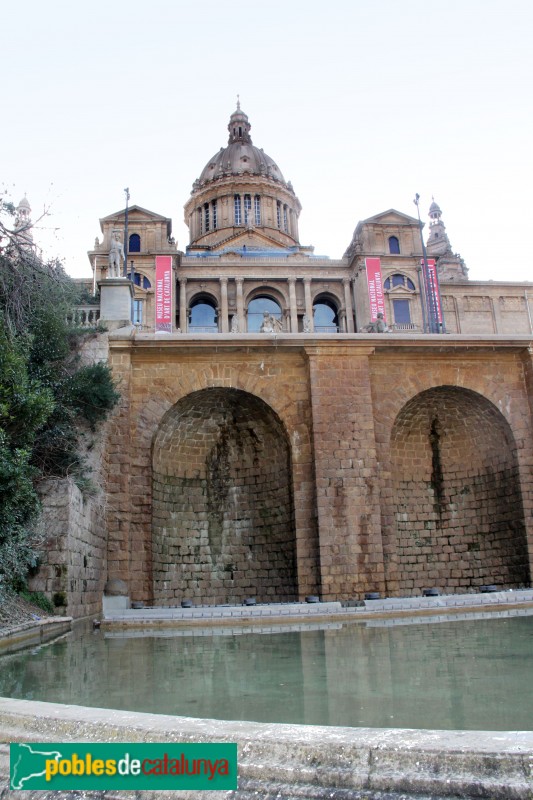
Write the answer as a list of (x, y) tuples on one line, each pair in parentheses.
[(375, 288), (163, 294)]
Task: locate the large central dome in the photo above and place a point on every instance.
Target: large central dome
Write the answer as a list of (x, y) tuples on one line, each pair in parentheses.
[(241, 194), (240, 155)]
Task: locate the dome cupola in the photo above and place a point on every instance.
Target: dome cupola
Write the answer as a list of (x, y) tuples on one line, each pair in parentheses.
[(242, 187)]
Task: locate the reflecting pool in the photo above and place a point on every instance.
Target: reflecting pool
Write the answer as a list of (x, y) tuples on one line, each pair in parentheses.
[(468, 674)]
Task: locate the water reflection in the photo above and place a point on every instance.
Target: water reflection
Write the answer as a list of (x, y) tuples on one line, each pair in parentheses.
[(462, 674)]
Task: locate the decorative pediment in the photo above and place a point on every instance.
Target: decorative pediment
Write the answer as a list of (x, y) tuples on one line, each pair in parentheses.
[(136, 214), (395, 290), (390, 217)]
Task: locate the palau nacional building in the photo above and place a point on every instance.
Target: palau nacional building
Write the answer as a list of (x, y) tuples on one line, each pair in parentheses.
[(276, 438)]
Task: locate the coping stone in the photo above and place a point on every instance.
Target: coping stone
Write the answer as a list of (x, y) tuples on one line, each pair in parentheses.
[(306, 761)]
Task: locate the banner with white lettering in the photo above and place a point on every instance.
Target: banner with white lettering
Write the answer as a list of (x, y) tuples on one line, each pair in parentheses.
[(433, 288), (375, 288), (163, 294)]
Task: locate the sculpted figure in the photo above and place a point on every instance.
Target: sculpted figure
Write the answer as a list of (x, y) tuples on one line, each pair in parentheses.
[(116, 257), (306, 323), (235, 323), (379, 326), (270, 324)]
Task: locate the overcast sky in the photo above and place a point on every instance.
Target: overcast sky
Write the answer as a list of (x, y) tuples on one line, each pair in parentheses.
[(361, 103)]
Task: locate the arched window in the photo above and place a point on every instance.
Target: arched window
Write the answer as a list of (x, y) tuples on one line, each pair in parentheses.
[(325, 317), (256, 312), (203, 316), (394, 245), (134, 243), (257, 209), (399, 280), (141, 280)]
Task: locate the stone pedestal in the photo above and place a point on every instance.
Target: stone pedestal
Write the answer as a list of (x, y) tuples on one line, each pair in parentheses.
[(116, 296)]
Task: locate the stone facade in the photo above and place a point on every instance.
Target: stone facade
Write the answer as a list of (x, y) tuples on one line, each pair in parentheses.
[(290, 465), (316, 459)]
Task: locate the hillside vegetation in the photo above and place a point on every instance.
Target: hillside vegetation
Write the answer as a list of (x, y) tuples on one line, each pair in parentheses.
[(45, 393)]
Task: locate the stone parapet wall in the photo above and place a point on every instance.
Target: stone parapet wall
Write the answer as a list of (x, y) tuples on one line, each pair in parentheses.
[(288, 465), (287, 761), (405, 490)]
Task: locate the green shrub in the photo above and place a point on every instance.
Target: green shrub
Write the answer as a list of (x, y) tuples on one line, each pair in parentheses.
[(38, 599)]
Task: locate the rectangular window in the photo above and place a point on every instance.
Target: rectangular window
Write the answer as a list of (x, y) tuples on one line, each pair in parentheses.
[(285, 220), (214, 213), (278, 209), (200, 221), (247, 209), (402, 314), (206, 211), (257, 209), (237, 204), (138, 312)]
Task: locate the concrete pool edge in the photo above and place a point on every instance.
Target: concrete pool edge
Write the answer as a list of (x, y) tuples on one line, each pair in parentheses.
[(29, 634), (263, 615), (469, 764)]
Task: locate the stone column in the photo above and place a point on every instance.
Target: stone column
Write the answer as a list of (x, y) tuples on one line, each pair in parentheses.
[(348, 304), (342, 321), (347, 471), (224, 305), (309, 302), (354, 298), (183, 305), (240, 305), (292, 305)]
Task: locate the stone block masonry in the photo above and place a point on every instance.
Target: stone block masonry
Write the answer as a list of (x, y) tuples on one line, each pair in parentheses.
[(278, 467), (312, 465), (223, 522), (351, 558)]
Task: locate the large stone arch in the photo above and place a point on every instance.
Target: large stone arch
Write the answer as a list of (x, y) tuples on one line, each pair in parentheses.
[(223, 518), (456, 517)]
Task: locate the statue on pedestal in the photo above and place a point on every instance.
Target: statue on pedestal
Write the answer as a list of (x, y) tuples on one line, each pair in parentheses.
[(116, 257)]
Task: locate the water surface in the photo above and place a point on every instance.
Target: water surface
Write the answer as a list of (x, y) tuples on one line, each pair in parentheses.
[(474, 674)]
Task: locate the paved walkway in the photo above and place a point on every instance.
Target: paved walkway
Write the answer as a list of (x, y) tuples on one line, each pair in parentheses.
[(389, 607)]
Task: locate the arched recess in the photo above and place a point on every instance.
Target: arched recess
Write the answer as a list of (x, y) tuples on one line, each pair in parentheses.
[(257, 307), (457, 514), (326, 313), (203, 314), (223, 518)]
